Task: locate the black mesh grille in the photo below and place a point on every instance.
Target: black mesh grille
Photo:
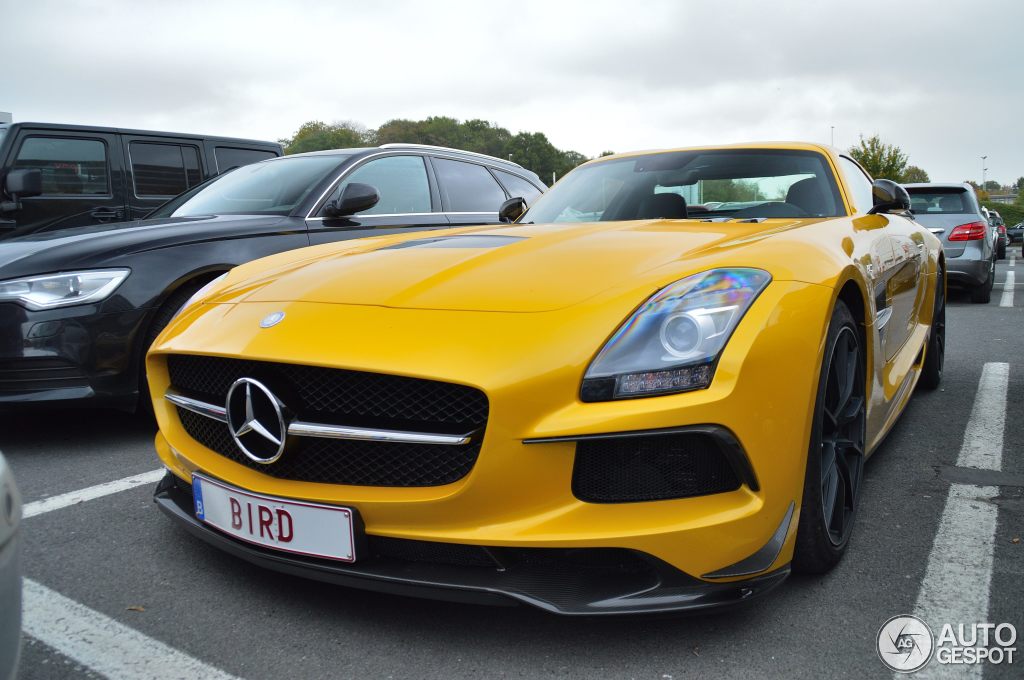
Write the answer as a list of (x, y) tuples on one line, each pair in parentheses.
[(648, 468), (342, 397), (337, 395)]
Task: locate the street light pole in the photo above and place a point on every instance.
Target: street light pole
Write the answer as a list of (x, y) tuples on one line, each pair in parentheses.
[(833, 128), (983, 169)]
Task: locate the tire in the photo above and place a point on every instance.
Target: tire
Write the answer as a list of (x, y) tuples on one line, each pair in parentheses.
[(167, 311), (829, 504), (982, 293), (1001, 255), (935, 352)]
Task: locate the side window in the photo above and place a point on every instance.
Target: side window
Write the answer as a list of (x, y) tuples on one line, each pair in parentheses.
[(859, 185), (468, 187), (70, 167), (517, 186), (401, 182), (230, 157), (163, 170)]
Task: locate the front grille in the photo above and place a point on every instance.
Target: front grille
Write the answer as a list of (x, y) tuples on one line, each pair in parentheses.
[(339, 396), (336, 396), (39, 373), (651, 467)]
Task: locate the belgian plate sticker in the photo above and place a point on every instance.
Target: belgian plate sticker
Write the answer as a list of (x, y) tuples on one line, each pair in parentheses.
[(197, 496)]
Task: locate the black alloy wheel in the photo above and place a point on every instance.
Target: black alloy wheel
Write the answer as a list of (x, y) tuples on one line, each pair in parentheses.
[(835, 459)]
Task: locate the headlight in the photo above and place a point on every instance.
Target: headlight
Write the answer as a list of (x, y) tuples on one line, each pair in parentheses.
[(62, 290), (199, 295), (671, 343)]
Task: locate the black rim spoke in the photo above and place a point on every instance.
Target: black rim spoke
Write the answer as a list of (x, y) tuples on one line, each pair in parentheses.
[(842, 436)]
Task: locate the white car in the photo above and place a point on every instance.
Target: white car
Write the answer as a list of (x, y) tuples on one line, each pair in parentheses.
[(10, 575)]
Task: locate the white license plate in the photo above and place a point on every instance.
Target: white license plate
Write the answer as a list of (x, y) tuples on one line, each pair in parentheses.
[(281, 524)]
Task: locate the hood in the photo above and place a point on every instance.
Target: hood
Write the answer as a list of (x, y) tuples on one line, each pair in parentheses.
[(106, 244), (528, 268)]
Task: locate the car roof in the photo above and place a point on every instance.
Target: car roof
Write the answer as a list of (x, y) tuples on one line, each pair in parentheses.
[(511, 166), (937, 185), (131, 131)]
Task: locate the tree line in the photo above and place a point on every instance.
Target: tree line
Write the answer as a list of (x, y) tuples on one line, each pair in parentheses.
[(532, 150)]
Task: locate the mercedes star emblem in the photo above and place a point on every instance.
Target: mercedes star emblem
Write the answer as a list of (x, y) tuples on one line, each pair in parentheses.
[(272, 319), (256, 420)]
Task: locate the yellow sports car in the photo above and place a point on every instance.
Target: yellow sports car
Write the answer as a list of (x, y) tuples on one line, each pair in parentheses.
[(654, 390)]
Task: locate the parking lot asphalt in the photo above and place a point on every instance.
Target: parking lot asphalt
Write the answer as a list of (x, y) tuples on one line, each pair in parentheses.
[(183, 609)]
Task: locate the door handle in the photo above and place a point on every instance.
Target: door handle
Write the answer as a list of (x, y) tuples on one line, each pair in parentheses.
[(102, 213)]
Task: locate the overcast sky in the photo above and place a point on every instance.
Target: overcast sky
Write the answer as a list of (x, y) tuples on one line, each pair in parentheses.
[(941, 79)]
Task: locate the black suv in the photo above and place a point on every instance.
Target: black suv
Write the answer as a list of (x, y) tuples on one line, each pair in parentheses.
[(57, 176), (79, 307)]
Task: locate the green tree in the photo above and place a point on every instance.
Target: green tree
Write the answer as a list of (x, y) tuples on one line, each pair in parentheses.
[(881, 160), (912, 173), (727, 190), (317, 136), (992, 185), (1019, 184)]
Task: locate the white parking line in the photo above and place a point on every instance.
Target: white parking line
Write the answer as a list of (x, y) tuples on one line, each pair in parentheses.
[(958, 578), (89, 493), (102, 644), (1007, 299)]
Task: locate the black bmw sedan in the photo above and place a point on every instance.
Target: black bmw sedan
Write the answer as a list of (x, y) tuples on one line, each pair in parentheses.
[(79, 307)]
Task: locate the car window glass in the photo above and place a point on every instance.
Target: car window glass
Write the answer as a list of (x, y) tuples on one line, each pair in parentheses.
[(70, 167), (859, 185), (939, 201), (468, 187), (230, 157), (163, 169), (271, 188), (192, 172), (517, 186), (401, 182)]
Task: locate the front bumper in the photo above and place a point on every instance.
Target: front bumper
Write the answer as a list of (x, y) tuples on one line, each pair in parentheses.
[(579, 582), (72, 355), (519, 494)]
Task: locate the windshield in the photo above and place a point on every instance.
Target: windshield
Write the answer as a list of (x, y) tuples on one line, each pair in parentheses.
[(267, 188), (3, 133), (724, 184)]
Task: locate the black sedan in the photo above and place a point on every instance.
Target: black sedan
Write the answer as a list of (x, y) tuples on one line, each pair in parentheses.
[(79, 307)]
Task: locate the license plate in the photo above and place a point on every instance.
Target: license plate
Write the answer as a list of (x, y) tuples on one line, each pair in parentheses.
[(277, 523)]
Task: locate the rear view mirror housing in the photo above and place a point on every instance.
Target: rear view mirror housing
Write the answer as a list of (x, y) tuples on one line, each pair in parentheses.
[(21, 183), (512, 209), (888, 197), (356, 198)]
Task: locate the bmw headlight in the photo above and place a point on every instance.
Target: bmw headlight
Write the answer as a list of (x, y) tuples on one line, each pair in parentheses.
[(671, 343), (62, 290)]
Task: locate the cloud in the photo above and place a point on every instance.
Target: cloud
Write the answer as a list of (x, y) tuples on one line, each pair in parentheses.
[(929, 76)]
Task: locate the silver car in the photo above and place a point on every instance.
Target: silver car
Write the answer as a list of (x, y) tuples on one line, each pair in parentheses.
[(10, 576), (951, 212)]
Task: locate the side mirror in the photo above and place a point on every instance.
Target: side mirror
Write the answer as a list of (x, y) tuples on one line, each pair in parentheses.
[(889, 197), (354, 199), (512, 209), (19, 184)]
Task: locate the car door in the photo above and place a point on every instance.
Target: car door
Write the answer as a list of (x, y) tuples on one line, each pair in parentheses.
[(906, 287), (469, 192), (82, 177), (408, 200), (895, 263), (158, 170)]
